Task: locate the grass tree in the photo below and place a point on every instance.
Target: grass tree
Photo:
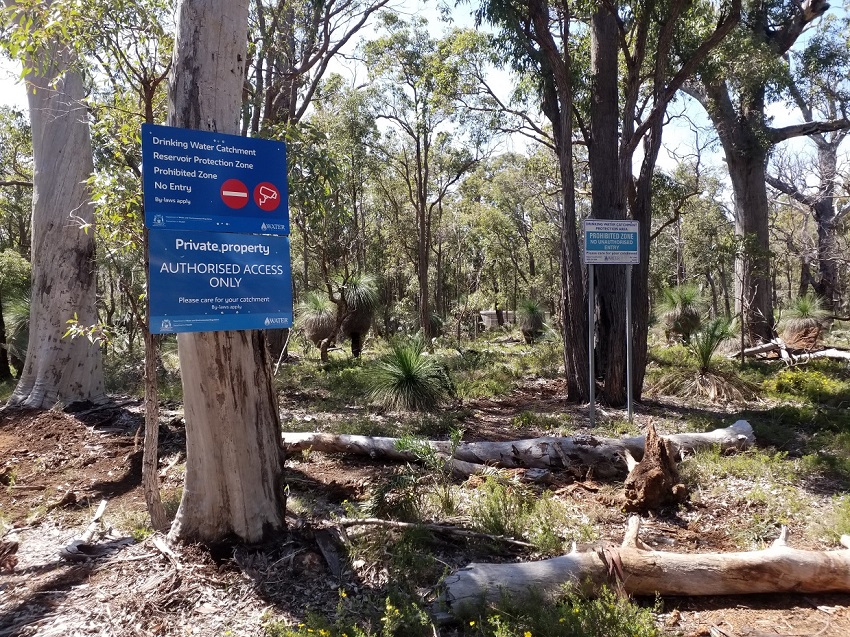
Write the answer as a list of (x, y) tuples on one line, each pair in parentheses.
[(803, 321), (708, 380), (360, 298), (531, 320), (409, 378), (316, 316), (681, 311)]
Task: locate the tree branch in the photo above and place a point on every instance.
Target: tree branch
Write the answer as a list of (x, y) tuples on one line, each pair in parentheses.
[(807, 128)]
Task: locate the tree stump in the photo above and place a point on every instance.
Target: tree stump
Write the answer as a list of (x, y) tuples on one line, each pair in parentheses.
[(654, 483)]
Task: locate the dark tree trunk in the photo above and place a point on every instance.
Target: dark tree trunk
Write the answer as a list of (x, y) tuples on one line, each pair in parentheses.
[(557, 105), (607, 202)]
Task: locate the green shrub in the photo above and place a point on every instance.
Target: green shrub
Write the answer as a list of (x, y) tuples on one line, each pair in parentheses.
[(811, 384), (608, 615)]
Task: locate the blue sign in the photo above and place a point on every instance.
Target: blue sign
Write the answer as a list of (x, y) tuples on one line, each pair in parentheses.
[(211, 281), (195, 180), (611, 241)]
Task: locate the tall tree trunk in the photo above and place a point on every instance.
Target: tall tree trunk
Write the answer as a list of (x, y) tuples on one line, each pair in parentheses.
[(423, 263), (752, 269), (557, 105), (607, 202), (824, 211), (57, 369), (234, 457)]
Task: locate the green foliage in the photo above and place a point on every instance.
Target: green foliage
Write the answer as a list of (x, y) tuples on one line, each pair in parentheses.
[(708, 466), (542, 421), (15, 273), (607, 615), (504, 507), (810, 384), (704, 343), (408, 378), (838, 522), (16, 312)]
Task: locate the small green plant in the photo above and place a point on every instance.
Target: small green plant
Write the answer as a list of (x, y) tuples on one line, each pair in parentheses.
[(501, 507), (438, 465), (408, 378), (607, 615), (810, 384), (546, 422), (838, 522)]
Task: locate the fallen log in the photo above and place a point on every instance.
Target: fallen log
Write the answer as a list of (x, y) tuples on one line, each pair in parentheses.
[(789, 355), (638, 570), (606, 456)]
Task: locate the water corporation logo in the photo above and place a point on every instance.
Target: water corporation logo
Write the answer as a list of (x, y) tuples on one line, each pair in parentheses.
[(276, 320)]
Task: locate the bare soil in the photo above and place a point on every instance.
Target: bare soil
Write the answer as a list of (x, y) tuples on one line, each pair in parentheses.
[(56, 467)]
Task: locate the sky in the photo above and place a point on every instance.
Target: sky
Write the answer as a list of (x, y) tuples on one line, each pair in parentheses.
[(12, 91), (680, 137)]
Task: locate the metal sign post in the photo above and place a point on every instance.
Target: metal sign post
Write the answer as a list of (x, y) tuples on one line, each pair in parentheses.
[(610, 242), (590, 342)]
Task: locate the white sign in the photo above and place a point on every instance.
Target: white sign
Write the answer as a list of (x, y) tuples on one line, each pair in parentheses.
[(611, 242)]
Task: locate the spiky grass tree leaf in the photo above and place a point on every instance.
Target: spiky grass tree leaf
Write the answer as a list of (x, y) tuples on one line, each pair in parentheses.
[(407, 378), (704, 344), (361, 297)]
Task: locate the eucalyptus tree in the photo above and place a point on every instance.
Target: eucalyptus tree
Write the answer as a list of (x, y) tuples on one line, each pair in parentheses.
[(735, 88), (57, 369), (418, 83), (542, 42), (820, 90), (291, 46), (234, 457)]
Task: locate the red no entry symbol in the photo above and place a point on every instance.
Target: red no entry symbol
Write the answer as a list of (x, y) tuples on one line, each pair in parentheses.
[(234, 193), (266, 196)]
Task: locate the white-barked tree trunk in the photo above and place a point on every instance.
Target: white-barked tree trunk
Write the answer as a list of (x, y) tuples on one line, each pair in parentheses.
[(57, 369), (234, 457)]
